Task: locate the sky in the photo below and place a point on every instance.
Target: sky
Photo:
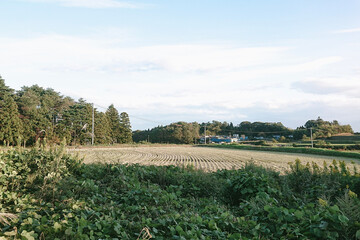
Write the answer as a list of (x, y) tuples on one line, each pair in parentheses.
[(185, 60)]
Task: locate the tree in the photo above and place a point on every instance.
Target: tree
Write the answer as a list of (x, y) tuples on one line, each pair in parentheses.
[(35, 124), (10, 123), (324, 129), (77, 122), (102, 129), (179, 132), (126, 133), (41, 110), (114, 122), (300, 132), (4, 90)]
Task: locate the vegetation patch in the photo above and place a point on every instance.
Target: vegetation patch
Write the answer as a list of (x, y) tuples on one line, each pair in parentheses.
[(47, 194), (315, 151)]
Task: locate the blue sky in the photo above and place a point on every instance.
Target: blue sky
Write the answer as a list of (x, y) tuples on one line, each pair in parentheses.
[(168, 61)]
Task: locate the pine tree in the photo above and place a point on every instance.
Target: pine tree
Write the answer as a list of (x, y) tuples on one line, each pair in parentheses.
[(10, 123), (4, 90), (77, 121), (114, 122), (34, 124), (126, 133), (102, 129), (41, 110)]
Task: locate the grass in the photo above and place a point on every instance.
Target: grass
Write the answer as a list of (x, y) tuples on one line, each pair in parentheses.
[(7, 218), (315, 151)]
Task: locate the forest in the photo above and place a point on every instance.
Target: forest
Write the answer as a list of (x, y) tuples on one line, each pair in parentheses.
[(182, 132), (34, 113)]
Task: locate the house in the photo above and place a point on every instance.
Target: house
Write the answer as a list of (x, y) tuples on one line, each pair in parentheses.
[(277, 137), (243, 138), (223, 139), (202, 139)]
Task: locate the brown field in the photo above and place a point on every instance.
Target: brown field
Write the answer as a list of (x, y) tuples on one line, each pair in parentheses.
[(208, 159)]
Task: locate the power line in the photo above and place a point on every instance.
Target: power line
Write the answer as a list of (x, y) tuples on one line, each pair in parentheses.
[(134, 116), (147, 120)]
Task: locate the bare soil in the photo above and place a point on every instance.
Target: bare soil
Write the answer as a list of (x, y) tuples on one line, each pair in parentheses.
[(207, 159)]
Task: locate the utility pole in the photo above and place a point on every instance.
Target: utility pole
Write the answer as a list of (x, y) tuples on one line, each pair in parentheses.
[(312, 144), (205, 134), (93, 125)]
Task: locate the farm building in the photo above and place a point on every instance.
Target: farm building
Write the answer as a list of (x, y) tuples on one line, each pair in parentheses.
[(223, 139), (219, 139)]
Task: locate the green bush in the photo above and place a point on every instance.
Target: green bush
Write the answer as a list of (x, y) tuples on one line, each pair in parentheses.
[(306, 150), (55, 196)]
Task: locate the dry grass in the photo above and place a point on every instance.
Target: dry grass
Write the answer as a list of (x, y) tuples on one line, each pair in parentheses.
[(144, 234), (208, 159), (6, 218)]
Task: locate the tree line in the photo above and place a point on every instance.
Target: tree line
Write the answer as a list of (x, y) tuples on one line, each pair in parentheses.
[(182, 132), (34, 113)]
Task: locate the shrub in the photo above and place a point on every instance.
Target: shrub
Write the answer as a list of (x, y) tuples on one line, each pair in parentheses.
[(244, 184), (48, 194)]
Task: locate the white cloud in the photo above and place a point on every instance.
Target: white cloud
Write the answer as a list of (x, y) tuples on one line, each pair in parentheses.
[(194, 81), (64, 53), (351, 30), (89, 3), (348, 86)]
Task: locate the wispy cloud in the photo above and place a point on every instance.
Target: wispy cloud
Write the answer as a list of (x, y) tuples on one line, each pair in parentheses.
[(350, 30), (179, 82), (89, 3), (66, 53), (346, 86)]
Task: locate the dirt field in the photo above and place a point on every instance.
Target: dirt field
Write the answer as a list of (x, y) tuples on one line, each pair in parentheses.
[(208, 159)]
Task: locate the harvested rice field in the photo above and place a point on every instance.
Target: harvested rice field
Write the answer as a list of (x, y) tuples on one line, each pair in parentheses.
[(207, 159)]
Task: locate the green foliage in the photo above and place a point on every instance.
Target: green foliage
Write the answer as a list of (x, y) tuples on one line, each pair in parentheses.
[(327, 145), (345, 139), (41, 110), (243, 185), (350, 207), (178, 133), (114, 122), (316, 151), (55, 196), (102, 129), (10, 123), (77, 122), (260, 143), (263, 129), (324, 129), (125, 127), (173, 133), (35, 114)]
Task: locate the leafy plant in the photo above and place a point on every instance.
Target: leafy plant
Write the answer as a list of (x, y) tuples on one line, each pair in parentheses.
[(55, 196)]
